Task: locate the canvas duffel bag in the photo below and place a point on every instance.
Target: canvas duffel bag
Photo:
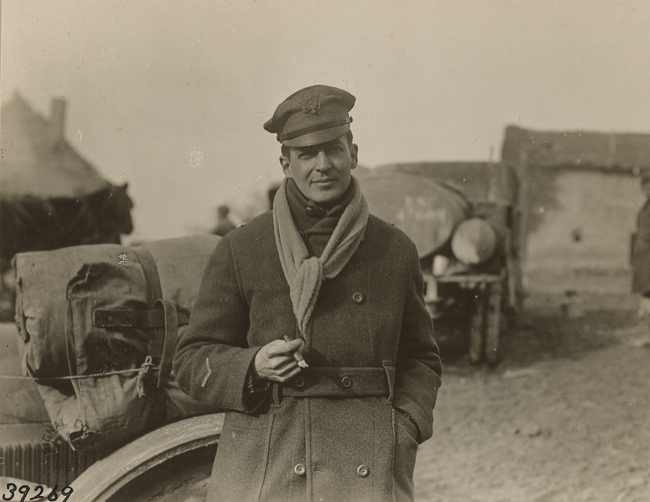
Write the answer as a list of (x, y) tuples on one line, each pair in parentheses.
[(99, 326)]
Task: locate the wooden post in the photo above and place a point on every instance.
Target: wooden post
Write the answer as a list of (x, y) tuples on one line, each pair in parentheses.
[(493, 321), (477, 324)]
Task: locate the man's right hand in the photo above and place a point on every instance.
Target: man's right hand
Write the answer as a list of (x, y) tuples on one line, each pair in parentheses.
[(275, 361)]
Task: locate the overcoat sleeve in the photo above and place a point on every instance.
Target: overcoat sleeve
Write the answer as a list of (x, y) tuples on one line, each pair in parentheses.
[(213, 358), (418, 368)]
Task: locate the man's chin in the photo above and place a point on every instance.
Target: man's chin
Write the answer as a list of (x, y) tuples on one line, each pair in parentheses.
[(325, 196)]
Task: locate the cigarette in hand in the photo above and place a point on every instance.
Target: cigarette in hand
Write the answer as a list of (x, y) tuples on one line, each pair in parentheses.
[(297, 355)]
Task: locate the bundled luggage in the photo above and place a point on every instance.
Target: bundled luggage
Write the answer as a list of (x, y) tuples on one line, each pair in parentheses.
[(99, 326)]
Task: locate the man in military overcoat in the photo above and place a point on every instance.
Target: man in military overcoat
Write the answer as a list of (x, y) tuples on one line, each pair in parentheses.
[(311, 329)]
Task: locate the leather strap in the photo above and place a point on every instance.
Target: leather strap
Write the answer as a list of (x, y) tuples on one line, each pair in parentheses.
[(125, 318), (169, 340), (144, 256), (163, 342)]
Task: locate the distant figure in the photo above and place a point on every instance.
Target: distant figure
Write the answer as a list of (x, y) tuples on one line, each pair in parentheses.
[(224, 225), (641, 250)]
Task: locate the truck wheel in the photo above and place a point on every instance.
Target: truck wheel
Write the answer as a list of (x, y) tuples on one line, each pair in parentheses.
[(493, 323), (172, 463)]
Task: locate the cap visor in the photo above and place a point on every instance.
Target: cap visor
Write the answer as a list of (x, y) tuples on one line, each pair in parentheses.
[(317, 137)]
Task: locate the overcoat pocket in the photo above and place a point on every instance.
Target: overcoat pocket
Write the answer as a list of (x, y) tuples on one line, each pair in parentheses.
[(406, 448)]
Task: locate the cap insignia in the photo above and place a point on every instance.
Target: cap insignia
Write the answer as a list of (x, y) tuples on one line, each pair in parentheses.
[(311, 104)]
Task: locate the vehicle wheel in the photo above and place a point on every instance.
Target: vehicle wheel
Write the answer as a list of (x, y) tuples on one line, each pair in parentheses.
[(172, 463), (182, 478)]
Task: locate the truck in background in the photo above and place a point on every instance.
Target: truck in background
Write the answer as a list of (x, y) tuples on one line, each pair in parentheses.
[(464, 219)]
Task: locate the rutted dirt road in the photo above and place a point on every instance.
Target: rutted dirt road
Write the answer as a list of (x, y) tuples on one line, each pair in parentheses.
[(564, 418)]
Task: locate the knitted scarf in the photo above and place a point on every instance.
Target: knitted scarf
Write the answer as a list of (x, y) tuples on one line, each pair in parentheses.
[(305, 274)]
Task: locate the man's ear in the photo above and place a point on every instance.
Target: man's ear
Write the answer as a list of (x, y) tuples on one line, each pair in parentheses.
[(284, 162), (354, 153)]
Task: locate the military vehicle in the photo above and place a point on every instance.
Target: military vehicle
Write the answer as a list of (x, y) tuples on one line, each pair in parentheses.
[(464, 220)]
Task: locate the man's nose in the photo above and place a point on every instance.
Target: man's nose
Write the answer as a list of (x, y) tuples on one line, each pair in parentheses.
[(322, 161)]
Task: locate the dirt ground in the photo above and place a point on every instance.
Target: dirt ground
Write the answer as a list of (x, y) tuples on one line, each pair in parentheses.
[(564, 418)]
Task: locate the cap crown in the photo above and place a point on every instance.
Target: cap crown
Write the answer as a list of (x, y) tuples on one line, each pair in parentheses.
[(311, 116)]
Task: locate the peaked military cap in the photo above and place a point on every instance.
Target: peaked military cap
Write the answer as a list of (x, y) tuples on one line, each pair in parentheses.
[(311, 116)]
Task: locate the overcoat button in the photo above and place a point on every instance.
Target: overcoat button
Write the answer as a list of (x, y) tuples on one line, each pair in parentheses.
[(299, 382), (300, 469), (346, 381), (357, 298), (309, 211), (363, 471)]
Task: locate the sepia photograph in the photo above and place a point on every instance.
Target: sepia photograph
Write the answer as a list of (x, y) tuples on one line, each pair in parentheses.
[(325, 250)]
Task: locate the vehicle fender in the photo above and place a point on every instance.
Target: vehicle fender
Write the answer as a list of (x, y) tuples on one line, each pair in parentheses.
[(105, 477)]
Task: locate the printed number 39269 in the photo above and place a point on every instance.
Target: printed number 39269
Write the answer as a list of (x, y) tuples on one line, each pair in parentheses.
[(24, 490)]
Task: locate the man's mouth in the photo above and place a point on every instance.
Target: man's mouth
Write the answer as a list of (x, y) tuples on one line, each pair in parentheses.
[(324, 181)]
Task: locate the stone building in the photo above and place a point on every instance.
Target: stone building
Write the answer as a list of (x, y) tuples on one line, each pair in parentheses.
[(579, 198)]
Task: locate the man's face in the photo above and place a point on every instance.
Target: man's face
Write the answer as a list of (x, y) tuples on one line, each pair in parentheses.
[(321, 172)]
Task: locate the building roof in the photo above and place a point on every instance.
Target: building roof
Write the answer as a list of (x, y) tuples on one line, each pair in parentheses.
[(616, 152), (36, 158)]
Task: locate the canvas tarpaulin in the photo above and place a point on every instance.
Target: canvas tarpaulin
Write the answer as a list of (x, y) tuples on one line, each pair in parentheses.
[(426, 211), (94, 322)]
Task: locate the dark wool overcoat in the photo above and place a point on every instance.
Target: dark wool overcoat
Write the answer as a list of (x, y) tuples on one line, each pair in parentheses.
[(372, 315)]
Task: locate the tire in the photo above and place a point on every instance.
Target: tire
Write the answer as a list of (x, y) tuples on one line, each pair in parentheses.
[(172, 463)]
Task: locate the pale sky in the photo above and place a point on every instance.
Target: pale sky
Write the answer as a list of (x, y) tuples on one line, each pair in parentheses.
[(150, 83)]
